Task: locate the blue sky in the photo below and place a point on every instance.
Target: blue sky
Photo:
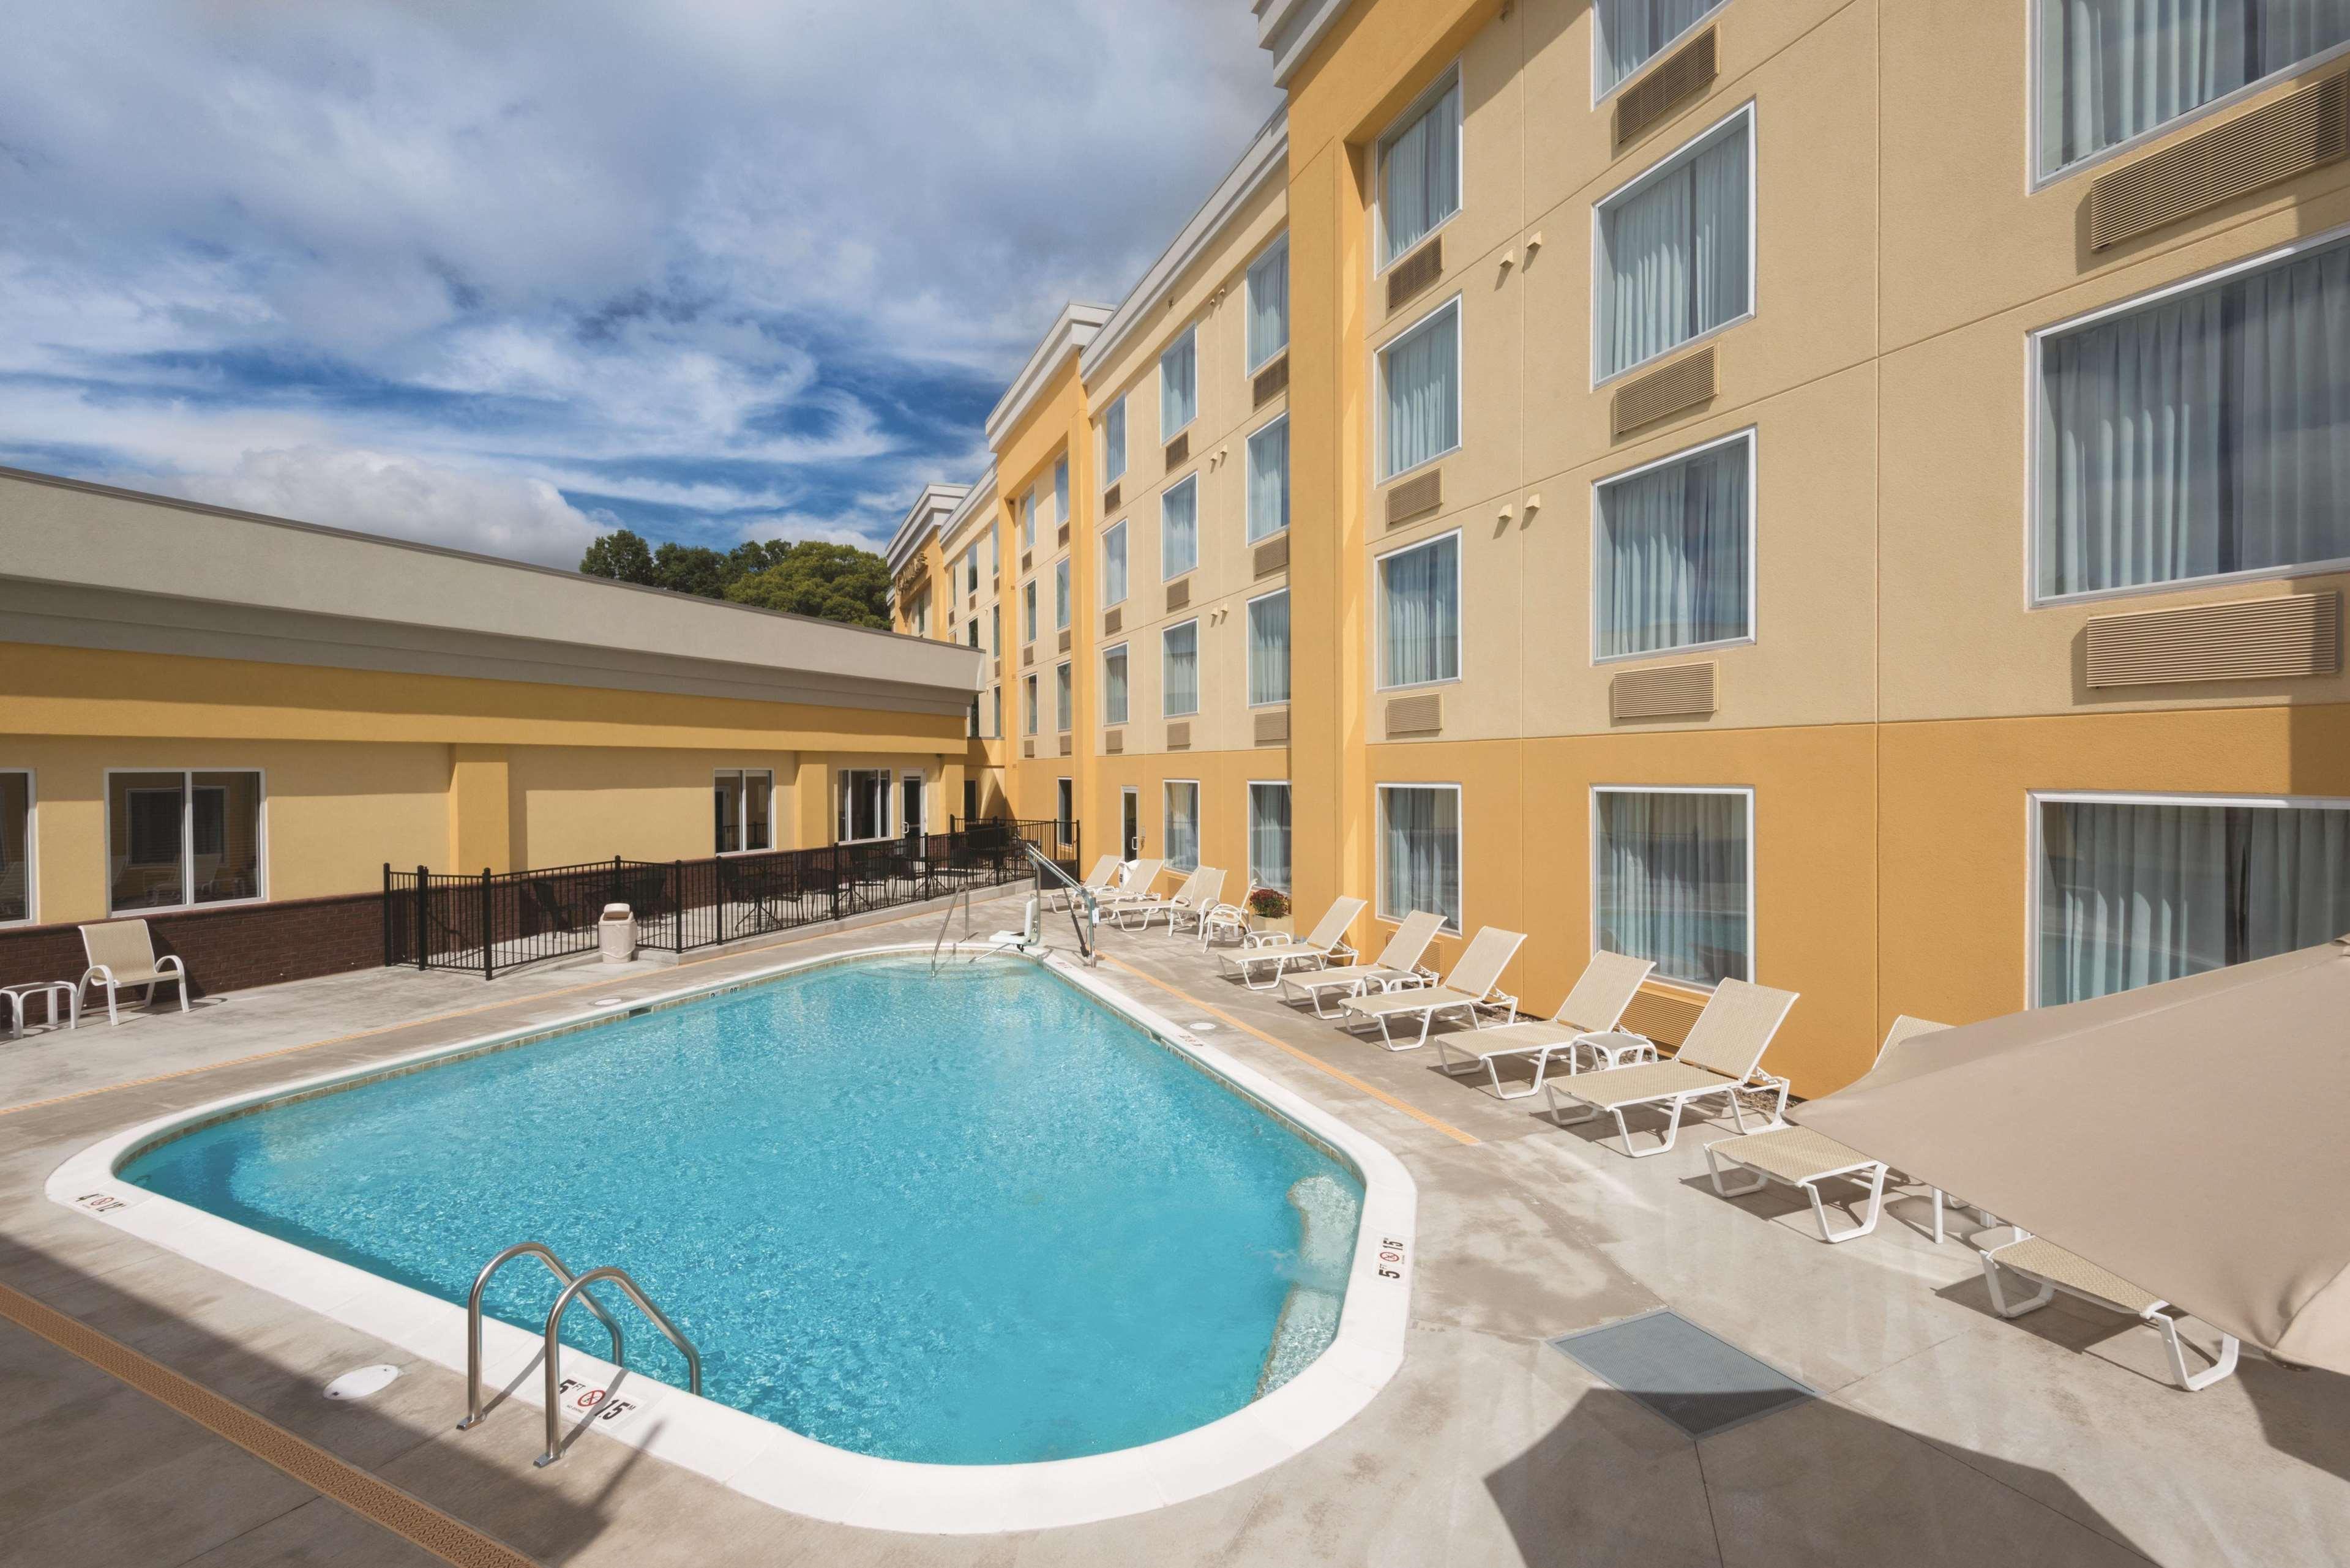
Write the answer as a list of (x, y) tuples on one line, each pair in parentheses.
[(500, 275)]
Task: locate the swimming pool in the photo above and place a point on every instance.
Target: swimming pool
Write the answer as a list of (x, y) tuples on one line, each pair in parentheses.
[(999, 1218)]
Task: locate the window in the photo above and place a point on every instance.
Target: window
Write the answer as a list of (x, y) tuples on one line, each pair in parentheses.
[(1420, 384), (1673, 553), (1061, 491), (864, 806), (742, 798), (1673, 878), (1181, 844), (1032, 716), (1419, 169), (1062, 696), (974, 718), (179, 838), (1178, 528), (1179, 670), (995, 710), (1419, 614), (1268, 649), (994, 558), (917, 616), (1268, 836), (972, 625), (1419, 851), (912, 819), (1028, 521), (994, 628), (971, 570), (1633, 32), (1677, 250), (1061, 593), (1028, 611), (2197, 434), (1268, 480), (1268, 304), (1065, 808), (15, 846), (1114, 565), (1114, 443), (1114, 685), (1178, 384), (2133, 891)]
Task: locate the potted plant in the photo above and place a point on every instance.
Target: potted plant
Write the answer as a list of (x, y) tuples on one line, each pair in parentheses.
[(1269, 910)]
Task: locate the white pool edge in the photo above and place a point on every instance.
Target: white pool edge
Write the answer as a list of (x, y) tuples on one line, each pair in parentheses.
[(759, 1458)]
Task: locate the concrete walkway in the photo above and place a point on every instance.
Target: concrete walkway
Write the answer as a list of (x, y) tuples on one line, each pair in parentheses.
[(1943, 1434)]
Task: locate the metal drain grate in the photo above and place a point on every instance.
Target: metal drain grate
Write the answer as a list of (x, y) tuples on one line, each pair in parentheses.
[(1699, 1382)]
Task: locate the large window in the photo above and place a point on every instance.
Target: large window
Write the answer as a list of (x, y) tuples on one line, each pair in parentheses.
[(1677, 249), (1028, 521), (1114, 702), (1268, 304), (1028, 611), (864, 806), (1268, 649), (1419, 612), (741, 799), (1268, 836), (2131, 892), (1673, 878), (1063, 697), (994, 628), (1178, 528), (1030, 716), (1178, 384), (1114, 443), (1179, 670), (1419, 851), (15, 846), (1114, 565), (971, 570), (1268, 480), (1673, 563), (1420, 391), (2203, 433), (995, 711), (1061, 491), (1633, 32), (1181, 844), (1419, 170), (1061, 593), (178, 838)]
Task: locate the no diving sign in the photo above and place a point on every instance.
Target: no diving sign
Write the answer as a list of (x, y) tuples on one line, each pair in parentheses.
[(580, 1398)]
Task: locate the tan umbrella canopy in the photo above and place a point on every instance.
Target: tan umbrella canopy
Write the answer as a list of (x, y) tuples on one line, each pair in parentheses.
[(2192, 1137)]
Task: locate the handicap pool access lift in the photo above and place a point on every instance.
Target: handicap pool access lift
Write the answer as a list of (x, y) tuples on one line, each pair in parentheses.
[(1085, 914)]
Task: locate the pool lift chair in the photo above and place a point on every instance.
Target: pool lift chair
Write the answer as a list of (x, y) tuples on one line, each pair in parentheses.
[(1051, 882)]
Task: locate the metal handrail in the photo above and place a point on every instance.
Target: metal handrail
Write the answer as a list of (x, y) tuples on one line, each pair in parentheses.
[(1041, 863), (962, 896), (555, 1347), (555, 1266)]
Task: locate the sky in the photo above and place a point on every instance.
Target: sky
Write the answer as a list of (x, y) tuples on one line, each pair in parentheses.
[(502, 274)]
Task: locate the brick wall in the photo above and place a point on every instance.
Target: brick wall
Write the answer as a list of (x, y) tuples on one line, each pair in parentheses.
[(225, 949)]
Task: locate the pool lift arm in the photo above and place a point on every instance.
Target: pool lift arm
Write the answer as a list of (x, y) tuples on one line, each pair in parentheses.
[(1085, 914)]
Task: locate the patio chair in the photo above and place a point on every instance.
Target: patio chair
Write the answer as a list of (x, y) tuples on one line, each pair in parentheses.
[(1397, 966), (1592, 1009), (1133, 887), (1474, 986), (1144, 903), (2053, 1269), (1280, 950), (1201, 893), (1098, 881), (1723, 1055), (122, 952), (1228, 920), (1799, 1157)]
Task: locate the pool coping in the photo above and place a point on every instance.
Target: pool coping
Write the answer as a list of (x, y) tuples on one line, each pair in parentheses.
[(759, 1457)]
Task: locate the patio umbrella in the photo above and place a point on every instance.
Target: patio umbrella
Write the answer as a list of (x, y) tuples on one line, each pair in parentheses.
[(2192, 1137)]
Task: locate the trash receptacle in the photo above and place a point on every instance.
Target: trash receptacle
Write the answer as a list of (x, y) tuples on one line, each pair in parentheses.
[(616, 933)]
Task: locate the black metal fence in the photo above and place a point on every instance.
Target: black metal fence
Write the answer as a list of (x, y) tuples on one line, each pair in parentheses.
[(499, 919)]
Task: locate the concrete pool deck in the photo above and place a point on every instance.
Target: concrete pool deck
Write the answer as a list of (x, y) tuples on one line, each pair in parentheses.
[(1943, 1434)]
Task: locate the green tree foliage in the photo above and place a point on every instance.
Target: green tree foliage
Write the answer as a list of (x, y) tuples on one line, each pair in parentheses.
[(623, 556), (838, 582)]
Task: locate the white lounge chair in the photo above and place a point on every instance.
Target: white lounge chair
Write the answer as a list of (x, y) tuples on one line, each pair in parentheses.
[(1229, 921), (1799, 1157), (1397, 966), (1098, 881), (1143, 905), (1592, 1009), (1473, 987), (2053, 1269), (1723, 1055), (1132, 888), (1207, 894), (122, 952), (1277, 952)]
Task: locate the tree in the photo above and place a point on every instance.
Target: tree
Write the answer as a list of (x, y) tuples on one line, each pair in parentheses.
[(838, 582), (623, 556)]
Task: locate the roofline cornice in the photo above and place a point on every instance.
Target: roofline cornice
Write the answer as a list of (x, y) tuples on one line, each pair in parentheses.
[(1070, 334), (1288, 30)]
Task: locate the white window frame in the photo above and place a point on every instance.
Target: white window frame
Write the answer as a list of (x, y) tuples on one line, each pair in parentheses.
[(1028, 611), (1032, 715), (1248, 291), (1120, 650), (1657, 171), (1426, 101), (840, 798), (1111, 475), (1248, 489), (1379, 393), (1125, 550), (188, 840), (743, 799), (1065, 596), (1065, 684), (2035, 390), (1188, 336), (1248, 826), (1591, 907), (1064, 499), (1379, 613), (1164, 633), (1248, 647), (1752, 436), (1028, 519), (1599, 95), (1167, 821), (33, 847), (1379, 848), (1191, 482)]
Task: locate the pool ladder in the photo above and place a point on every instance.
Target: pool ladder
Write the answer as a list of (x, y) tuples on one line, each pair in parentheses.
[(574, 1285)]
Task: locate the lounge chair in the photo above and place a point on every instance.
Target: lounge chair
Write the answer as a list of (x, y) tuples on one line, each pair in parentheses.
[(1473, 986), (122, 952), (1207, 893), (1134, 885), (1280, 951), (1227, 920), (1397, 966), (1147, 904), (1723, 1055), (1591, 1010), (1799, 1157), (2053, 1269), (1099, 882)]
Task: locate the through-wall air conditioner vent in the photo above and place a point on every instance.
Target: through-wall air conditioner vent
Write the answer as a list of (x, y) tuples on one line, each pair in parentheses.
[(1667, 390), (1416, 497), (1272, 727), (1668, 691), (1420, 716), (1113, 742), (1179, 593), (1271, 556), (1113, 621), (2303, 130), (1687, 72), (1110, 497), (1178, 451), (1415, 274), (1179, 736), (1271, 382), (2296, 636)]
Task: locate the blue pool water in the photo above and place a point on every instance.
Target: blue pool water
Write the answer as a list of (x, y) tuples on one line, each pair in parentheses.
[(970, 1219)]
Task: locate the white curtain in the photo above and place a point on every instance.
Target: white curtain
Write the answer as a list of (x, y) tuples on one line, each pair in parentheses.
[(1269, 835), (2131, 894), (1178, 387), (1268, 645), (2111, 70), (1114, 686), (1182, 846), (1268, 305), (1421, 371), (1673, 554), (1419, 852), (1421, 587), (1179, 670), (1061, 695), (1268, 480), (1061, 593), (1061, 492), (1675, 261), (1114, 565), (2201, 434), (1179, 529), (1672, 882), (1420, 174), (1114, 442), (1633, 32)]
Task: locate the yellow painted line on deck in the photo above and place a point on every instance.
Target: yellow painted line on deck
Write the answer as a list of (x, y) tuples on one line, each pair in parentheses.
[(1352, 1082)]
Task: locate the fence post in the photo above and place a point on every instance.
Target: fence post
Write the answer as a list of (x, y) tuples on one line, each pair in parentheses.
[(420, 875), (677, 899), (387, 914), (488, 971), (837, 873)]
